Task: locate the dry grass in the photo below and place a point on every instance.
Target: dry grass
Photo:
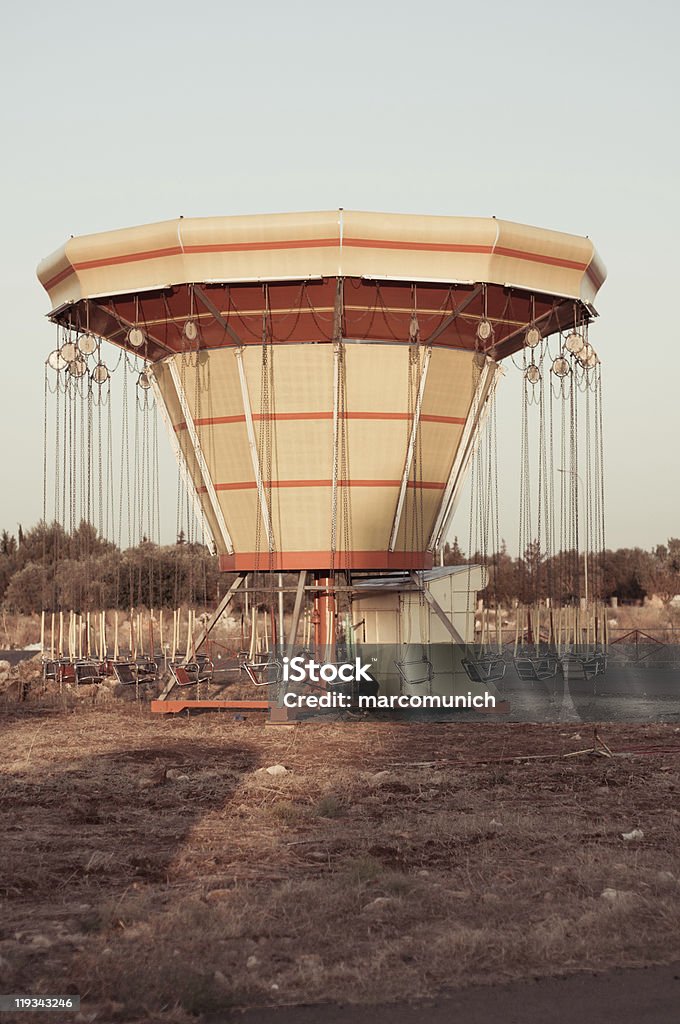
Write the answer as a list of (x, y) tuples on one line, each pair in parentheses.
[(18, 630), (148, 866)]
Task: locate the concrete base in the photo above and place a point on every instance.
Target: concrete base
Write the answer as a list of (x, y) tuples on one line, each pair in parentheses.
[(282, 716)]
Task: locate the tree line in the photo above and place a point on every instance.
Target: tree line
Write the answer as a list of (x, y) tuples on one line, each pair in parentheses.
[(628, 574), (46, 567)]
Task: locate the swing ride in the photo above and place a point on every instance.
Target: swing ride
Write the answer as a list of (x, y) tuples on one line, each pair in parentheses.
[(328, 382)]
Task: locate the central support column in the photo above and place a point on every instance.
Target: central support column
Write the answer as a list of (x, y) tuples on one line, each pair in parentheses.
[(324, 620)]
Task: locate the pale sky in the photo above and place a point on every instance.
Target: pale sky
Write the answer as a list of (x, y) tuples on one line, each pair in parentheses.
[(563, 116)]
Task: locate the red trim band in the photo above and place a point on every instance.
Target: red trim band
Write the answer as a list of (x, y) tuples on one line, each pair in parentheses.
[(484, 250), (58, 278), (317, 243), (289, 561), (250, 485), (211, 421)]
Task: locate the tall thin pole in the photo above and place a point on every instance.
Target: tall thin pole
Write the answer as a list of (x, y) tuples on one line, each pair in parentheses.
[(281, 633)]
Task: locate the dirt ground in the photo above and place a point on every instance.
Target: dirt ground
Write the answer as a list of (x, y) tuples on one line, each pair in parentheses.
[(151, 866)]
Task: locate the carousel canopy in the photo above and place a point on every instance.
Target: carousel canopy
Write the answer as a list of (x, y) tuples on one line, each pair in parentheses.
[(106, 282), (347, 448)]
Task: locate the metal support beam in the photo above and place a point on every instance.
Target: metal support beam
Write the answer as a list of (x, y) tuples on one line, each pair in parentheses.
[(438, 610), (454, 316), (165, 692), (214, 619), (478, 407), (200, 458), (280, 632), (173, 707), (217, 614), (502, 342), (338, 307), (336, 456), (494, 373), (252, 443), (125, 325), (221, 320), (410, 450), (299, 595)]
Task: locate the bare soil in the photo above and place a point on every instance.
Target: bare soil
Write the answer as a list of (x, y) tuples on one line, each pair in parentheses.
[(148, 865)]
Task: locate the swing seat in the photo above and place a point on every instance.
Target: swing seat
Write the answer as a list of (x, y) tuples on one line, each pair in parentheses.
[(66, 672), (128, 673), (124, 672), (259, 672), (87, 672), (535, 669), (50, 671), (192, 673), (415, 672), (484, 671), (596, 665), (181, 676), (590, 664), (146, 671)]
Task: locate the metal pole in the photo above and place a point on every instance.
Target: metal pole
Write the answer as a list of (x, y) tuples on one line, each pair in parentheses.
[(215, 617), (281, 635), (437, 609), (325, 610), (299, 596)]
